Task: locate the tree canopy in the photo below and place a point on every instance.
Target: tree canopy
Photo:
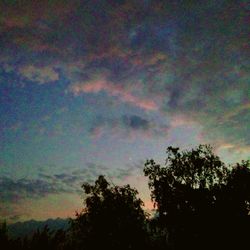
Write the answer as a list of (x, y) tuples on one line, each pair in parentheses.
[(112, 218), (198, 196)]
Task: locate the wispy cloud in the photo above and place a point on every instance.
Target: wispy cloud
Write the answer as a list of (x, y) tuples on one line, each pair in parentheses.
[(116, 90), (39, 74)]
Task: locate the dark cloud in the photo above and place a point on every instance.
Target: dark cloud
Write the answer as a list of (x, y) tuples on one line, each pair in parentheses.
[(14, 190), (135, 122), (125, 125)]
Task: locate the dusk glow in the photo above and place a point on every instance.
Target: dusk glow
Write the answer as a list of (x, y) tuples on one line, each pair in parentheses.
[(99, 87)]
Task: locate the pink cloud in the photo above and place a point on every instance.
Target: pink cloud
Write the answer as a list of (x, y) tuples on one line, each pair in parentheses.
[(123, 94), (181, 120), (92, 87), (222, 145), (97, 132)]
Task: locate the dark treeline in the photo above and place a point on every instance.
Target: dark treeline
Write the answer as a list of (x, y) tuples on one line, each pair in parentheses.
[(200, 204)]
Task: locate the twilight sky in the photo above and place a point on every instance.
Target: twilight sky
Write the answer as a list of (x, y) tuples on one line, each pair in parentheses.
[(99, 86)]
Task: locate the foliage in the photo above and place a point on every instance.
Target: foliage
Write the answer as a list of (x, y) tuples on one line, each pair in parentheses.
[(197, 196), (113, 217), (3, 234)]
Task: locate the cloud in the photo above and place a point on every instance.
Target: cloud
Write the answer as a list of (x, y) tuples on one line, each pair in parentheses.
[(14, 190), (181, 120), (28, 13), (180, 60), (115, 90), (40, 75), (90, 172), (128, 126), (136, 122), (22, 198), (68, 182), (236, 111)]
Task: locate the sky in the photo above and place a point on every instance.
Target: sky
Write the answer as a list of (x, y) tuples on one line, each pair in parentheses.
[(98, 87)]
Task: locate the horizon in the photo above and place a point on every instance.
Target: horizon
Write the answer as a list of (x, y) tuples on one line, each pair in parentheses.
[(91, 88)]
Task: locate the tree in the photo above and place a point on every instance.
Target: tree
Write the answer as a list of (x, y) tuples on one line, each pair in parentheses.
[(112, 219), (236, 195), (192, 192), (4, 239), (41, 239)]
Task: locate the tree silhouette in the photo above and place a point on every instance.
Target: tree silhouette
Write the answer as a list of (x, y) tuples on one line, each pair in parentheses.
[(113, 218), (41, 239), (194, 194), (4, 239)]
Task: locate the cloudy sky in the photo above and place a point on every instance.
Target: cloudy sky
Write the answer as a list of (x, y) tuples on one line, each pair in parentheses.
[(97, 87)]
